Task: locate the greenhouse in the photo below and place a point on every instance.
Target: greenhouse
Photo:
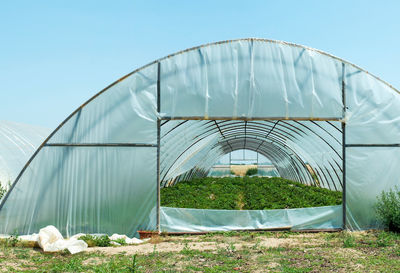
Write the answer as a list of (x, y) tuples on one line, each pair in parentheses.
[(320, 120)]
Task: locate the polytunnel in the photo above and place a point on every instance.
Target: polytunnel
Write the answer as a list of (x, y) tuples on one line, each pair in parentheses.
[(321, 120)]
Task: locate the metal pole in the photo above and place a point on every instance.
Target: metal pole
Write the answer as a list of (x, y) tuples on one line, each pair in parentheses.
[(158, 146), (344, 173), (344, 147)]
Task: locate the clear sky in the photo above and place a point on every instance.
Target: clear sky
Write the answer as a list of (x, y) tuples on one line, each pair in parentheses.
[(54, 55)]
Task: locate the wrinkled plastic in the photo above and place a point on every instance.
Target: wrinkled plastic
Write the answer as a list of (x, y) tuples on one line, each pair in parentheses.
[(98, 195), (105, 183), (198, 220), (128, 241), (18, 142), (51, 240)]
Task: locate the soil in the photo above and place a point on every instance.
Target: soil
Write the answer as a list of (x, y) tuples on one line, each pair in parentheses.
[(192, 242)]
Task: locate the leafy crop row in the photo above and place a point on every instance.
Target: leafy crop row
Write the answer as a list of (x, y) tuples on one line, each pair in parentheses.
[(250, 193)]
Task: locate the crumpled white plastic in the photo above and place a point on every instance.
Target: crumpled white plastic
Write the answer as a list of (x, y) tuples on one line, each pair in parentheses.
[(51, 240), (129, 241), (30, 238)]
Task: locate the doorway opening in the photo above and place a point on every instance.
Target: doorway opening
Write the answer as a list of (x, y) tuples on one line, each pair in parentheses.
[(250, 170)]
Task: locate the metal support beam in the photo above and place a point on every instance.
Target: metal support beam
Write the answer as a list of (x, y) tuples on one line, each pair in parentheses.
[(344, 147), (245, 131), (99, 145), (374, 145), (250, 119), (219, 129), (158, 145)]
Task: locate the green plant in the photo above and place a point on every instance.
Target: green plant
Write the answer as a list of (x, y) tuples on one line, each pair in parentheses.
[(349, 240), (134, 267), (2, 191), (385, 239), (96, 240), (231, 248), (249, 193), (387, 208), (251, 171), (13, 239), (120, 241)]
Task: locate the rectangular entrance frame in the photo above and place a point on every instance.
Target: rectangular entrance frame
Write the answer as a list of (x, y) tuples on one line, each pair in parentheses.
[(161, 118)]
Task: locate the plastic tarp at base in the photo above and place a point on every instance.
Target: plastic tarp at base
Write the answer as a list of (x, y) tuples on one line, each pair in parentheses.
[(200, 220)]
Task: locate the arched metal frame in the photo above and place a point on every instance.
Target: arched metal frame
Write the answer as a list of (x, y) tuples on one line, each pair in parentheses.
[(260, 130)]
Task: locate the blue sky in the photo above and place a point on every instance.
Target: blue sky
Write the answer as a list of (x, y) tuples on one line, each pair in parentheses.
[(54, 55)]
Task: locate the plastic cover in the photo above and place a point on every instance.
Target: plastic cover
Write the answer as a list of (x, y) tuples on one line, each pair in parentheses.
[(18, 142), (198, 220)]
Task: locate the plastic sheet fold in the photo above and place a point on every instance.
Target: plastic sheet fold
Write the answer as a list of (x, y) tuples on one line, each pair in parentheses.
[(200, 220)]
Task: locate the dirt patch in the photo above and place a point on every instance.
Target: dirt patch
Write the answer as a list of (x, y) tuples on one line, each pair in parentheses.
[(6, 266), (277, 242), (349, 252), (179, 245), (93, 261), (152, 248)]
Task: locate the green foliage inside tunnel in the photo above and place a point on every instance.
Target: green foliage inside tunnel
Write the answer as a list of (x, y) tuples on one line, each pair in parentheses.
[(247, 193)]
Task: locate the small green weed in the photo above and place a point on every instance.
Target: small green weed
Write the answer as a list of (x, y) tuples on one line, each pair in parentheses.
[(385, 239), (120, 241), (349, 240), (134, 267), (12, 240), (94, 240)]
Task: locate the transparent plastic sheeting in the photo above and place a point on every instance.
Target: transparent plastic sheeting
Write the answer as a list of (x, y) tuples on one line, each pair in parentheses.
[(110, 185), (369, 172), (18, 142), (197, 220), (94, 200)]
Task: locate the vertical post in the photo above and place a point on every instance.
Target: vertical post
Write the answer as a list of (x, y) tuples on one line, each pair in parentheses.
[(344, 146), (158, 144)]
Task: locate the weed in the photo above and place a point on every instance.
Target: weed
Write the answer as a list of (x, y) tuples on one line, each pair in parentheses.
[(385, 239), (134, 267), (349, 240), (155, 252), (387, 209), (231, 248), (12, 240), (95, 240), (121, 241), (2, 190), (186, 249)]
